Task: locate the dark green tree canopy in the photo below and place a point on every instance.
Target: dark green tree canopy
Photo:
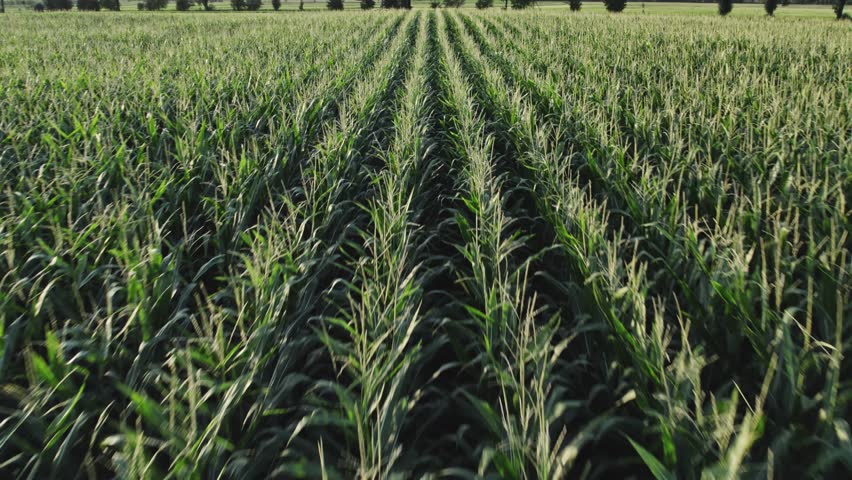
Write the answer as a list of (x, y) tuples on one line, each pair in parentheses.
[(770, 6), (89, 5), (615, 5), (54, 5)]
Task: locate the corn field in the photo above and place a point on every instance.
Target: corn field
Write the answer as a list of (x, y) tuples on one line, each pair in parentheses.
[(433, 244)]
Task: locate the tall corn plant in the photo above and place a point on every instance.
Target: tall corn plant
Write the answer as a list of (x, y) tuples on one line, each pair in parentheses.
[(361, 323), (516, 349)]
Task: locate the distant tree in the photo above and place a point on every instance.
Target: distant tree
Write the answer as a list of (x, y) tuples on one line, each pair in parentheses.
[(53, 5), (238, 5), (521, 4), (615, 5), (367, 4), (453, 3), (38, 7), (334, 4), (837, 6), (390, 4), (276, 5), (182, 5), (155, 4), (113, 5), (254, 5), (483, 4), (575, 5), (725, 7), (88, 5), (301, 5), (435, 4), (205, 4), (770, 6), (3, 6), (140, 6)]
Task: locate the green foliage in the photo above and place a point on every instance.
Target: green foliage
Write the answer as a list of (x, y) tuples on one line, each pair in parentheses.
[(367, 4), (837, 6), (725, 7), (575, 5), (53, 5), (243, 5), (770, 6), (483, 4), (113, 5), (276, 5), (89, 5), (453, 3), (156, 4), (334, 4), (183, 5), (615, 5), (521, 4), (406, 247)]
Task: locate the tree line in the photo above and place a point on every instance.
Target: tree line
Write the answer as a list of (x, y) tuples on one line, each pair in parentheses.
[(725, 6)]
